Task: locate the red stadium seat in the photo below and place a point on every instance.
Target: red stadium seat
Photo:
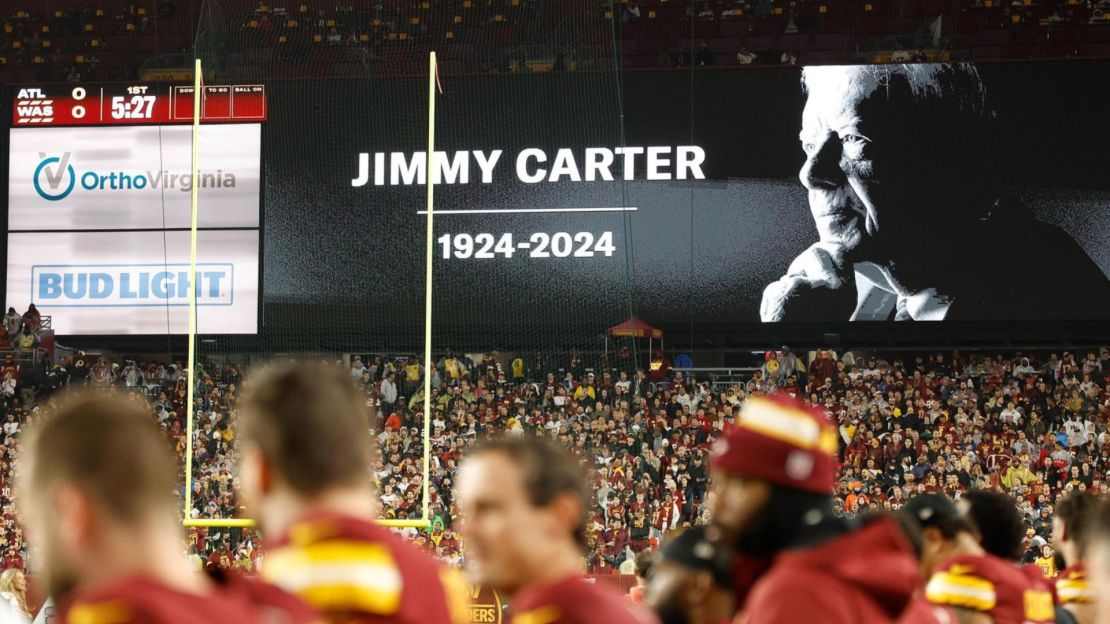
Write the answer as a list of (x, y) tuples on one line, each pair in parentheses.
[(703, 29), (986, 52), (996, 36), (1030, 35), (835, 42), (1096, 49), (1098, 33), (759, 42), (1064, 33), (871, 25), (819, 57), (1060, 50), (1023, 51), (794, 42), (735, 27)]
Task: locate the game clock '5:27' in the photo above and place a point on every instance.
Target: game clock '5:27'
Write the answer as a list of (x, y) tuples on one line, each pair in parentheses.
[(537, 245), (134, 107)]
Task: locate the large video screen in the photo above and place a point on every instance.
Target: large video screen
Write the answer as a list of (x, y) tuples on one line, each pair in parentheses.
[(98, 227), (771, 195), (810, 197)]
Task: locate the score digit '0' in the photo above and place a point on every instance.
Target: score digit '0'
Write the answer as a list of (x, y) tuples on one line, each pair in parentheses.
[(78, 110)]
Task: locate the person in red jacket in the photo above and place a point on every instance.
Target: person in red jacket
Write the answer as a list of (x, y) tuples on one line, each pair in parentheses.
[(96, 489), (523, 503), (773, 480), (979, 587), (304, 434)]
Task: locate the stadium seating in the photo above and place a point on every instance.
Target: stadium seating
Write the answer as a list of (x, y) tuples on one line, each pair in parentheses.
[(71, 40), (1029, 424)]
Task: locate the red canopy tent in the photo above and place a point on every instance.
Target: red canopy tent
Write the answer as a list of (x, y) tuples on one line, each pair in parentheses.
[(634, 328)]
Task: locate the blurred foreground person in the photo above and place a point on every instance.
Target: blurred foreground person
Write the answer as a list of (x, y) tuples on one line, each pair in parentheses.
[(96, 492), (1070, 537), (691, 582), (996, 523), (644, 561), (523, 504), (304, 434), (1000, 528), (979, 587), (773, 480), (1098, 560)]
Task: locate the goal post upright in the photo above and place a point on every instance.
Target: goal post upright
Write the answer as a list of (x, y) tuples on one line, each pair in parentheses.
[(425, 519)]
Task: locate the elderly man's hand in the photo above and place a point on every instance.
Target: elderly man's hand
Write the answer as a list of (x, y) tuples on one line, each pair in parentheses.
[(816, 287)]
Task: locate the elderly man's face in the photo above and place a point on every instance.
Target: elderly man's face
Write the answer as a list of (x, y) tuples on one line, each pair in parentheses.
[(846, 130)]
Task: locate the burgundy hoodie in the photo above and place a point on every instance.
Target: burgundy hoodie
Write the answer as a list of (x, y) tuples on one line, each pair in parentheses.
[(867, 576)]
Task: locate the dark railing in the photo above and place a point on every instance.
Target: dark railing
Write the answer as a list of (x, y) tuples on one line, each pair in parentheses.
[(26, 358), (720, 377)]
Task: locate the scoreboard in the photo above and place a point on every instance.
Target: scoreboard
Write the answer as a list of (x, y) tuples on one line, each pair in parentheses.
[(126, 104), (100, 181)]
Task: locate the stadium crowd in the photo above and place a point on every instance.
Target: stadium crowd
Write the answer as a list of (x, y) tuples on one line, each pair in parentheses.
[(1031, 425), (81, 40)]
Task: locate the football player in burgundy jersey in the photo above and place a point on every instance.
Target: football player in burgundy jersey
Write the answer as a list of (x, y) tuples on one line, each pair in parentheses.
[(523, 503), (978, 587), (305, 474), (1000, 529), (1070, 536), (96, 495)]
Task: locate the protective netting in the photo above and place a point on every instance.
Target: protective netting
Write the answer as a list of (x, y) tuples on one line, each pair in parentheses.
[(528, 91)]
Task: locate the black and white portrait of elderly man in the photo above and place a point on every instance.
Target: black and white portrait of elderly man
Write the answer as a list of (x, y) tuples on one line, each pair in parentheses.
[(911, 222)]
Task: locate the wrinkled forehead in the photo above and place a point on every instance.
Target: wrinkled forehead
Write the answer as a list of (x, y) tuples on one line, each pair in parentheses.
[(838, 95), (839, 82)]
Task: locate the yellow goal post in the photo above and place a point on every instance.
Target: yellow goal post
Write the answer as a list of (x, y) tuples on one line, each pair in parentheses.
[(425, 519)]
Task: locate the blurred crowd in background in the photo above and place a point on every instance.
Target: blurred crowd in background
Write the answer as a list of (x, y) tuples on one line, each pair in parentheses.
[(1032, 425), (82, 40)]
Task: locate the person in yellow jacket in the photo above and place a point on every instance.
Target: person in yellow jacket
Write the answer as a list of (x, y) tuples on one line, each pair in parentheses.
[(1017, 474)]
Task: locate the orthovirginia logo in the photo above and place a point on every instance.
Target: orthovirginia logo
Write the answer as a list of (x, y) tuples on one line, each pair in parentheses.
[(55, 178)]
